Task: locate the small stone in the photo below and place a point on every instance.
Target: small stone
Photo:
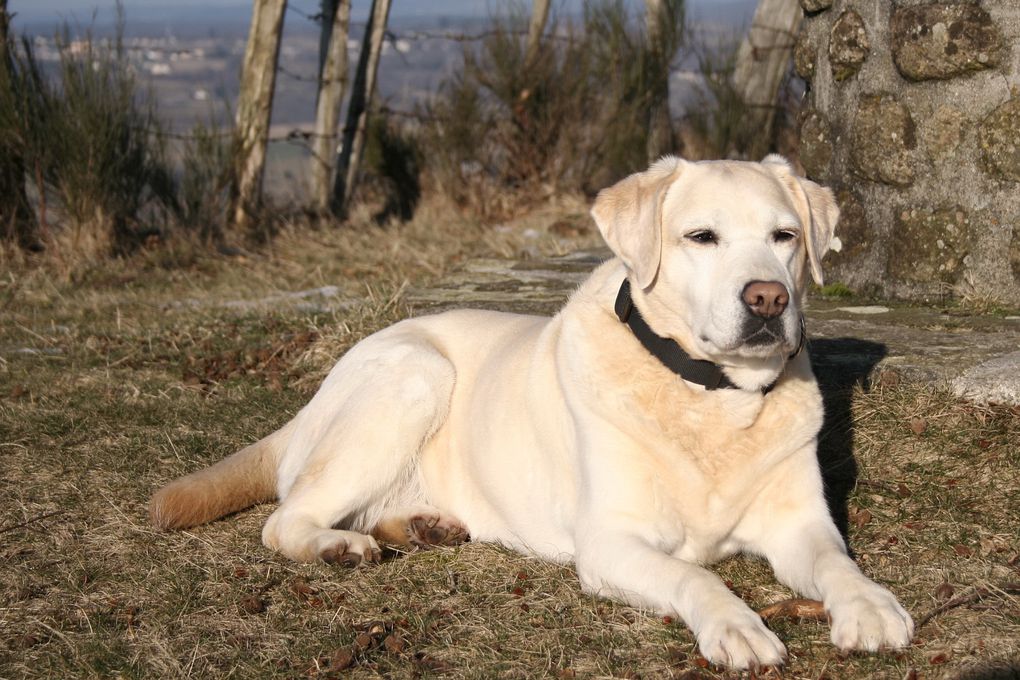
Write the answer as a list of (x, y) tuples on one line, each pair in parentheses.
[(848, 45), (942, 40), (918, 425)]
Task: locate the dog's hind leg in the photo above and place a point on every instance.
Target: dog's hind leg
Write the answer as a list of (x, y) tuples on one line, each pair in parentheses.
[(420, 527), (374, 413)]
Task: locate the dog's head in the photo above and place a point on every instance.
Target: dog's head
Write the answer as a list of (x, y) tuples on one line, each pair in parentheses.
[(718, 252)]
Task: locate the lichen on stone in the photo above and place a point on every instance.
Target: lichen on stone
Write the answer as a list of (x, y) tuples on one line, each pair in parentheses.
[(883, 140), (848, 45), (943, 40), (944, 131), (854, 231), (929, 246), (804, 56), (815, 145), (1000, 141), (812, 6)]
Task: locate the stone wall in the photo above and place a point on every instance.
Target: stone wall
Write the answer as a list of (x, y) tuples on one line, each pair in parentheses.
[(913, 117)]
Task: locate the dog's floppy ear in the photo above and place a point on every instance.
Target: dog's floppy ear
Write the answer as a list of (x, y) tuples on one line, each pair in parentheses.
[(629, 215), (818, 212)]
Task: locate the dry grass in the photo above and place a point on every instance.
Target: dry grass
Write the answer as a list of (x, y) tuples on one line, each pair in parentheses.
[(141, 373)]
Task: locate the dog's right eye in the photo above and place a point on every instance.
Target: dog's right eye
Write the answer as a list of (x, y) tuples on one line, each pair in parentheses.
[(703, 236)]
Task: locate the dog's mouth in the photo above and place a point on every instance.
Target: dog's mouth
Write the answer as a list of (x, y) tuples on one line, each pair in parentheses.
[(762, 333)]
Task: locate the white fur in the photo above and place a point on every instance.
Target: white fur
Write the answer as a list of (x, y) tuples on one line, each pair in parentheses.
[(563, 437)]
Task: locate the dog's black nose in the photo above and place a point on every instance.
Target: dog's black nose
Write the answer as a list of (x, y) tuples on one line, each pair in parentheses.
[(766, 299)]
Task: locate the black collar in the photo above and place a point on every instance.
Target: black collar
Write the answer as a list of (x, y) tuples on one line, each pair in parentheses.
[(670, 353)]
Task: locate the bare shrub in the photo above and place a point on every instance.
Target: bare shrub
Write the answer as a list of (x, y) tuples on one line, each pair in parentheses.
[(719, 125), (90, 142), (201, 194), (391, 168), (506, 129)]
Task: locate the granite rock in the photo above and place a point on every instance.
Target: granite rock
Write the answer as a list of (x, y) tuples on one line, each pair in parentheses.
[(943, 40)]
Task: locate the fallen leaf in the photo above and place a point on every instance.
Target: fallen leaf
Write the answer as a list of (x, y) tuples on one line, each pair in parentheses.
[(902, 490), (858, 516), (889, 378), (944, 592), (796, 608), (918, 425), (26, 641), (962, 550), (253, 604), (301, 588), (342, 659), (431, 663), (394, 644), (940, 658), (363, 641)]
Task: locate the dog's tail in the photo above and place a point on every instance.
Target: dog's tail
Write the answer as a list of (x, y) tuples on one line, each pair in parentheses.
[(235, 483)]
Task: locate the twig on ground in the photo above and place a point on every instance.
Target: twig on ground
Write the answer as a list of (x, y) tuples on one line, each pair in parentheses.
[(974, 596), (20, 525), (811, 610)]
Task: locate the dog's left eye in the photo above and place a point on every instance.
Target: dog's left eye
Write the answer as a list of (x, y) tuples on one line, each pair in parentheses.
[(703, 236), (783, 235)]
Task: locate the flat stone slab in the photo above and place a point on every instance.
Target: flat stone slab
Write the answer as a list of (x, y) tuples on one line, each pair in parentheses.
[(975, 356)]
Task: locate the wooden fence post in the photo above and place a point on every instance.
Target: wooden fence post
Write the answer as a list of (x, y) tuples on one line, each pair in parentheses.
[(336, 18), (536, 27), (662, 26), (254, 105), (349, 160), (763, 59)]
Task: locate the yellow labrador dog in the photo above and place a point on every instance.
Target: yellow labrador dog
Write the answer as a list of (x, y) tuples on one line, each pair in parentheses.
[(663, 420)]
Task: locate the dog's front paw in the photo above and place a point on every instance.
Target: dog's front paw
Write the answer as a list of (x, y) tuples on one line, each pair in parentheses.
[(869, 618), (739, 639)]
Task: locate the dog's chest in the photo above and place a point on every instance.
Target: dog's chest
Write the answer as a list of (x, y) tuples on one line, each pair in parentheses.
[(705, 458)]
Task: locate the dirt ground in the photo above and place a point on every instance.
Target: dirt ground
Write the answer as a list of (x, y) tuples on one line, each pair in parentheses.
[(116, 379)]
